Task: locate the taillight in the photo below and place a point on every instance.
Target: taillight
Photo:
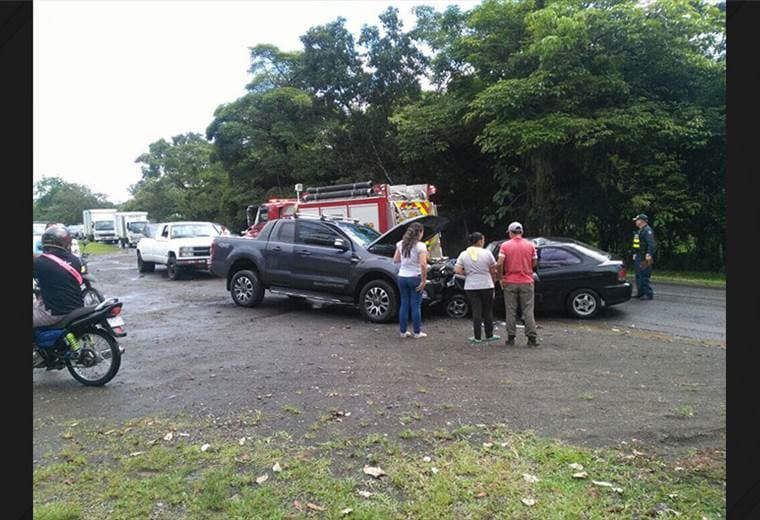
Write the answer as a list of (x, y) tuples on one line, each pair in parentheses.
[(621, 275), (115, 311)]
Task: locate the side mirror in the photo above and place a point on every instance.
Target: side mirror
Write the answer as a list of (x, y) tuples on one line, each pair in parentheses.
[(340, 244)]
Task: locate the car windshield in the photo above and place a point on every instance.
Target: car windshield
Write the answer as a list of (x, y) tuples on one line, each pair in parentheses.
[(194, 230), (38, 229), (362, 235), (137, 227), (104, 225)]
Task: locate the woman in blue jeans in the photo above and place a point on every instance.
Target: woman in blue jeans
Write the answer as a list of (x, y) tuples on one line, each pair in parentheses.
[(412, 274)]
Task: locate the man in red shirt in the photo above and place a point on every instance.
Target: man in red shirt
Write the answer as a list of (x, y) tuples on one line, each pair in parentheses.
[(517, 261)]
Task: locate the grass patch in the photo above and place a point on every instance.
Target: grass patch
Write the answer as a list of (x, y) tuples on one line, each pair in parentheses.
[(685, 411), (291, 408), (98, 248), (689, 278), (471, 472)]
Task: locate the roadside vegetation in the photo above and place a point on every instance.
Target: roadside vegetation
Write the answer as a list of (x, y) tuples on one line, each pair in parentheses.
[(97, 248), (690, 277), (162, 468), (568, 116)]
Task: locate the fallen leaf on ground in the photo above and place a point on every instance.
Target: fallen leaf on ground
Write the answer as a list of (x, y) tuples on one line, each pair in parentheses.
[(481, 494), (373, 471), (434, 470), (183, 434), (426, 459), (618, 490), (576, 466), (601, 483), (205, 447), (365, 494), (488, 445), (276, 468), (136, 453), (263, 478), (169, 436), (580, 474), (527, 477), (297, 505), (346, 511), (314, 507), (241, 441), (528, 501)]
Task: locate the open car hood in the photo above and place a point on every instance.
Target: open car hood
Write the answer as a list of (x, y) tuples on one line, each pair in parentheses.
[(433, 225)]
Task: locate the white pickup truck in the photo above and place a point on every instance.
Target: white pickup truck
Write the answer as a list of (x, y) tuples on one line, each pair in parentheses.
[(180, 246)]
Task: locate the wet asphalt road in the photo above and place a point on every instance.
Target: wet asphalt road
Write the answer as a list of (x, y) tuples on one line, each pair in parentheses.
[(190, 350), (692, 312)]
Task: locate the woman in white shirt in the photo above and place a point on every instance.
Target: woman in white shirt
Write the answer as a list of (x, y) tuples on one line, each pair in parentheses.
[(479, 268), (412, 274)]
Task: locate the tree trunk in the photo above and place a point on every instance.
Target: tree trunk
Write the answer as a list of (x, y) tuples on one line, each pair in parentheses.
[(543, 209)]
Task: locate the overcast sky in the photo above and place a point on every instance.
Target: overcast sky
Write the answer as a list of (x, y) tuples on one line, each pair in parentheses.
[(113, 76)]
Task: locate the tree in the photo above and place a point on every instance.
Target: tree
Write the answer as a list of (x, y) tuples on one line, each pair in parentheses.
[(56, 200), (181, 180)]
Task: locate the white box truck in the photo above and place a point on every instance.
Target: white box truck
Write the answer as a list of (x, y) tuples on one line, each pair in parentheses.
[(130, 227), (100, 225)]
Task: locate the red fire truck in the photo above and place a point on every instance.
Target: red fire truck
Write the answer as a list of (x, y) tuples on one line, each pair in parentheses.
[(380, 206)]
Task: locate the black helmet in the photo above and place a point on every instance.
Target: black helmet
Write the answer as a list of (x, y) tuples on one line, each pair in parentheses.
[(57, 236)]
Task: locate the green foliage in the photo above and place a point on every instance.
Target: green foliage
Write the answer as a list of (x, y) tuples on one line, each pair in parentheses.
[(181, 180), (58, 201), (567, 115)]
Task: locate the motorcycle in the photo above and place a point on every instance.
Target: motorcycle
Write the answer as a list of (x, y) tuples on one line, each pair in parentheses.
[(84, 341), (90, 294)]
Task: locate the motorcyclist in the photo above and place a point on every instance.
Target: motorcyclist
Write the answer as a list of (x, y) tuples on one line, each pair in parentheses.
[(57, 273)]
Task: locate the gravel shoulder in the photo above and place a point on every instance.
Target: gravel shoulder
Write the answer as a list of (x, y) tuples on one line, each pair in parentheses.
[(191, 352)]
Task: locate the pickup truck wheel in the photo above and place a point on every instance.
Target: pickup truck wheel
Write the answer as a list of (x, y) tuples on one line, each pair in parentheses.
[(144, 267), (246, 288), (172, 269), (378, 302)]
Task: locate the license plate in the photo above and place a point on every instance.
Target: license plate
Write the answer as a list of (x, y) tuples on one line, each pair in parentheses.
[(116, 322)]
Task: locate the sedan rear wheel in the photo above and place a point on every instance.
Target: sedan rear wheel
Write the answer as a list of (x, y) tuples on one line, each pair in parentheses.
[(583, 303)]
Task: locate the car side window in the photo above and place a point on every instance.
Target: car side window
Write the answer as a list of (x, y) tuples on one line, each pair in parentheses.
[(316, 234), (550, 257), (286, 232)]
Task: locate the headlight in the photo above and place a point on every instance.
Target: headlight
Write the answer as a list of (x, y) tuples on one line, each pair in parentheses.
[(185, 251)]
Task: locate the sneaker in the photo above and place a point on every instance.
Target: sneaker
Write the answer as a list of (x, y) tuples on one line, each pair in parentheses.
[(474, 341), (420, 335), (533, 342), (510, 340), (406, 334), (494, 338)]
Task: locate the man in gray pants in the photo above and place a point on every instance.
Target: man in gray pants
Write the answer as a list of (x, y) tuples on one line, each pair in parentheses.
[(517, 261)]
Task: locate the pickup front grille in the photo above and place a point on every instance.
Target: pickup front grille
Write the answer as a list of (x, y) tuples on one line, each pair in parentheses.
[(201, 251)]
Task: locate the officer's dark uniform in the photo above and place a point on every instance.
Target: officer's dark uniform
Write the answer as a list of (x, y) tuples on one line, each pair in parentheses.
[(643, 244)]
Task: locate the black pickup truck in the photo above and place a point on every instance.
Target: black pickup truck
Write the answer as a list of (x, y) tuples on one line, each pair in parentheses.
[(324, 259)]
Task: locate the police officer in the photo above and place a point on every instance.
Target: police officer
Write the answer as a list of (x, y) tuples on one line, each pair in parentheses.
[(643, 256)]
